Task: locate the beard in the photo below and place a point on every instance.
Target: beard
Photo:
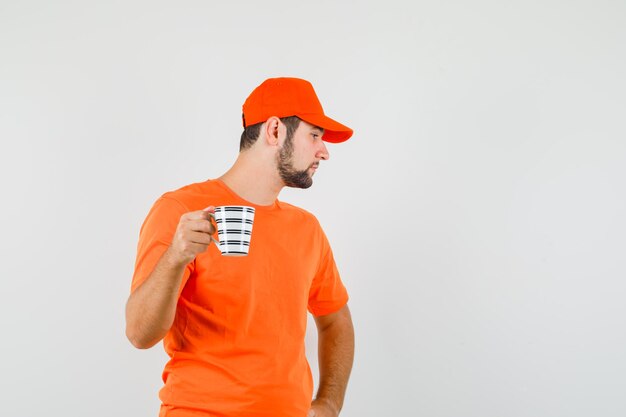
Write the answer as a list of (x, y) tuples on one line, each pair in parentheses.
[(288, 173)]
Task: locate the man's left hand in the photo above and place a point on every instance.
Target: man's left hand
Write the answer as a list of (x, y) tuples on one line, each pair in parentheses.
[(320, 408)]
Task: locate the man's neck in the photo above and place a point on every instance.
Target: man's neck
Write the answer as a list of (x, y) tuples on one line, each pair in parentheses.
[(253, 182)]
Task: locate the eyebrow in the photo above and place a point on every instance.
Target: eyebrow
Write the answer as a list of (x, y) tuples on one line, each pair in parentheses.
[(317, 128)]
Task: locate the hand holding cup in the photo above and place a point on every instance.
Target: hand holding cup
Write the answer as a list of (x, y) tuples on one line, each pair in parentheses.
[(193, 234)]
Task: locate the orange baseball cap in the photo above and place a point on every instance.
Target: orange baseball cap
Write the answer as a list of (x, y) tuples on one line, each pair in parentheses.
[(284, 97)]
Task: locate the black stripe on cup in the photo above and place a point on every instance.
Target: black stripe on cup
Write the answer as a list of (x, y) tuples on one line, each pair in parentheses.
[(233, 220), (234, 232), (234, 242), (238, 209)]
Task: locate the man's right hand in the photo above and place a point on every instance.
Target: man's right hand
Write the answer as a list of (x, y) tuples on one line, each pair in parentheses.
[(193, 235)]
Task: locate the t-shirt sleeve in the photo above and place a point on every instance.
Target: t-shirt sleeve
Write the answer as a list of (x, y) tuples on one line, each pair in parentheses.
[(327, 293), (155, 237)]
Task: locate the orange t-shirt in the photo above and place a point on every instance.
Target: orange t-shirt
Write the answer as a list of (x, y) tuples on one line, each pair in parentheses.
[(237, 342)]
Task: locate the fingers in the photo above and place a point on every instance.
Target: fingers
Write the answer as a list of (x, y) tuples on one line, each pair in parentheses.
[(193, 234), (199, 238), (200, 226), (197, 248), (200, 220), (205, 214)]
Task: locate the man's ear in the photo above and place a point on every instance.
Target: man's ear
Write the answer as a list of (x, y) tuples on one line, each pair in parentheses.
[(271, 130)]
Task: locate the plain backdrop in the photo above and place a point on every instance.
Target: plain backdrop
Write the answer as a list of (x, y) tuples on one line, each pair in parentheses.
[(477, 214)]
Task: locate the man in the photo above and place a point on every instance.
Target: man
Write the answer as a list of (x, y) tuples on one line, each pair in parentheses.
[(234, 328)]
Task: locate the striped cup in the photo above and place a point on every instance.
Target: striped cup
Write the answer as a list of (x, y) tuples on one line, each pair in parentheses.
[(234, 229)]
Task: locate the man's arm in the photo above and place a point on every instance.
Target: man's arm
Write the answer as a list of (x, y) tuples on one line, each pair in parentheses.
[(151, 308), (335, 354)]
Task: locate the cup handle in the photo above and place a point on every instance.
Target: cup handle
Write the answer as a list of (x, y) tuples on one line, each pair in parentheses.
[(217, 242)]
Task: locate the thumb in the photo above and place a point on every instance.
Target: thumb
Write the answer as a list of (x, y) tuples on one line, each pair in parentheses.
[(210, 209), (311, 413)]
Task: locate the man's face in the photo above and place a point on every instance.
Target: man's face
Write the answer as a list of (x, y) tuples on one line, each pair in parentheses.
[(300, 155)]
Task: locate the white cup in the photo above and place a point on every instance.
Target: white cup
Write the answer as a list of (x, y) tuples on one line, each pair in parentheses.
[(234, 229)]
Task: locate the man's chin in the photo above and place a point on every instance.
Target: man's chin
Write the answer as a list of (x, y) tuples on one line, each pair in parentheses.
[(301, 184), (297, 179)]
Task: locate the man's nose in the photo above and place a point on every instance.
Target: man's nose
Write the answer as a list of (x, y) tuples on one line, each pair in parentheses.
[(322, 153)]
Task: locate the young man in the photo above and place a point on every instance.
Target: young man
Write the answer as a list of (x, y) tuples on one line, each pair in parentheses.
[(234, 327)]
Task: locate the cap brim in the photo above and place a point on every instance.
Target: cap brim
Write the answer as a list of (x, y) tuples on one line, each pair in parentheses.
[(334, 131)]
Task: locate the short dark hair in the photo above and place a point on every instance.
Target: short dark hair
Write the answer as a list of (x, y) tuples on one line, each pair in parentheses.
[(251, 133)]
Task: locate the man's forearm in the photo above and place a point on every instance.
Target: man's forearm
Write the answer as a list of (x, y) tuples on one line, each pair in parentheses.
[(335, 354), (151, 308)]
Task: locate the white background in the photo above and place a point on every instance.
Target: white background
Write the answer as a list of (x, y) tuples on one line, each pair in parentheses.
[(477, 215)]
